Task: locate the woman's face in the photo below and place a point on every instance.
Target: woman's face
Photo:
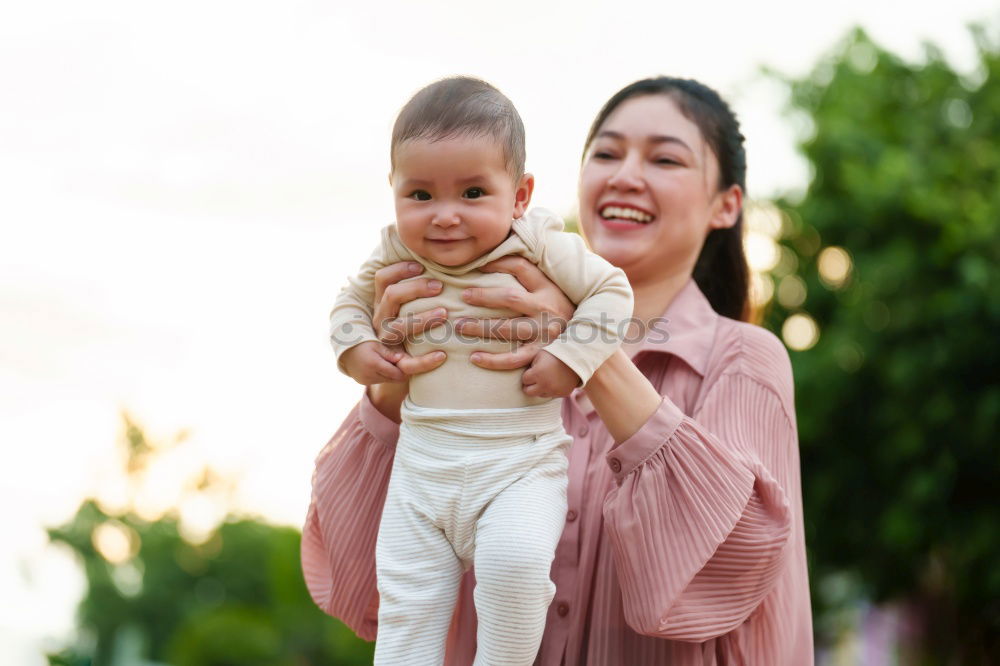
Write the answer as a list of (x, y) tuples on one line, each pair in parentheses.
[(649, 190)]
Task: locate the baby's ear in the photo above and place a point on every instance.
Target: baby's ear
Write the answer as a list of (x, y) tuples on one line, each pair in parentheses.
[(522, 194)]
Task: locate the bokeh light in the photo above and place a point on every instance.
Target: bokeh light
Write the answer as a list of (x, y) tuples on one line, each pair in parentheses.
[(117, 543), (761, 289), (834, 266), (800, 332), (763, 226), (791, 291)]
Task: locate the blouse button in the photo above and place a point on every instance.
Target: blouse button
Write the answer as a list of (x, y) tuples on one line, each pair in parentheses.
[(562, 609), (571, 516), (584, 429), (616, 465)]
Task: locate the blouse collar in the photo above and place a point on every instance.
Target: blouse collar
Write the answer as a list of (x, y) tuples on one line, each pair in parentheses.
[(686, 329)]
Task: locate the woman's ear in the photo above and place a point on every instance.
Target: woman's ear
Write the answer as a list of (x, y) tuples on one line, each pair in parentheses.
[(522, 194), (727, 207)]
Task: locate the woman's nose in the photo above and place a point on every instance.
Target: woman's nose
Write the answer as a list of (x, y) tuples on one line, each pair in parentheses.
[(628, 176)]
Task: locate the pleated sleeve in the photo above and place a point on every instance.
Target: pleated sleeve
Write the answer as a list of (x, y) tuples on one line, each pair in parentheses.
[(338, 541), (698, 524)]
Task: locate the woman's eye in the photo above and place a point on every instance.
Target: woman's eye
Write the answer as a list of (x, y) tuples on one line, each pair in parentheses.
[(474, 193), (666, 160), (420, 195), (603, 155)]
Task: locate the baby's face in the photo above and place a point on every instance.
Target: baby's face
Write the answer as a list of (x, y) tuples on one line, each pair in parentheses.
[(455, 199)]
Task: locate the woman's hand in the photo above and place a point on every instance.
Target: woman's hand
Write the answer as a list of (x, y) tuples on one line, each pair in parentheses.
[(546, 312), (546, 308), (390, 294)]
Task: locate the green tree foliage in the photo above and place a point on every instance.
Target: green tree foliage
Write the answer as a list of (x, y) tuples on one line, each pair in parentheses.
[(899, 399), (238, 599)]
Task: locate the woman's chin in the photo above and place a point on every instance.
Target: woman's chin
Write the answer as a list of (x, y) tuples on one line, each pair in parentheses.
[(619, 253), (618, 249)]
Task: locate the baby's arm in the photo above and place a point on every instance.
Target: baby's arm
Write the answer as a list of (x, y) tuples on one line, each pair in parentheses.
[(360, 355), (548, 377), (603, 297)]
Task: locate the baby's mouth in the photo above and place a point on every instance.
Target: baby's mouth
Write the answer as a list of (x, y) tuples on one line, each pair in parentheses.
[(626, 214)]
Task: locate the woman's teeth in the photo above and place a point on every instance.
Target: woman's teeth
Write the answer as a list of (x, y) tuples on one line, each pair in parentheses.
[(626, 214)]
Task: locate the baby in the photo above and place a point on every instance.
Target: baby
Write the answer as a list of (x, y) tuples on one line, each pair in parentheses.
[(479, 474)]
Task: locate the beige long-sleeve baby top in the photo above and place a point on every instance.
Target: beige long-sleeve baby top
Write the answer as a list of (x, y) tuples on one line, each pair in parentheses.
[(600, 291)]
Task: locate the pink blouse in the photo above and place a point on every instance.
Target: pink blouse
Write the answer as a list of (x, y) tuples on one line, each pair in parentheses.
[(683, 544)]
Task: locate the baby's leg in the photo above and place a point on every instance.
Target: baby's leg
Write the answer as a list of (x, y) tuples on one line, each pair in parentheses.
[(418, 578), (516, 539)]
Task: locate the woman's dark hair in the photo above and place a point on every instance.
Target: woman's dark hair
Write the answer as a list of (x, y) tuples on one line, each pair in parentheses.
[(721, 270)]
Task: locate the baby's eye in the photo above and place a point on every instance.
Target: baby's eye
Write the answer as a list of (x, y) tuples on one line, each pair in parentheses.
[(474, 193), (420, 195)]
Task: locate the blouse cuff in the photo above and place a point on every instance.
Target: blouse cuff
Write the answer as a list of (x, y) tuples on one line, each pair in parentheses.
[(627, 456), (378, 424)]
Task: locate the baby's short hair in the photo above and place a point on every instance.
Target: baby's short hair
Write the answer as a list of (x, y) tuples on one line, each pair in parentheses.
[(462, 106)]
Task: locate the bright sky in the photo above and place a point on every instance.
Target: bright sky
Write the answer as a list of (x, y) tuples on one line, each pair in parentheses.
[(184, 187)]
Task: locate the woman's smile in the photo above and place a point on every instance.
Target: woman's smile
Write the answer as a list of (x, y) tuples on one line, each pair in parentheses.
[(617, 216)]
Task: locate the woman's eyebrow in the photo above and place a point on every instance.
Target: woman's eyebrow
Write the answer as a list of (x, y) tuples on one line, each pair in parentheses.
[(666, 138), (655, 138)]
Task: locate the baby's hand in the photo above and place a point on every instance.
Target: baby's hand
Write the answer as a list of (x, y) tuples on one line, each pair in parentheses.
[(372, 363), (548, 377)]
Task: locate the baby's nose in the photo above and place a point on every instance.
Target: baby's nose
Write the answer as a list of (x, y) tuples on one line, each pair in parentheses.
[(446, 217)]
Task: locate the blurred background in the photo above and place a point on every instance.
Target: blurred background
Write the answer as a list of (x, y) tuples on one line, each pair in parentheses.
[(185, 186)]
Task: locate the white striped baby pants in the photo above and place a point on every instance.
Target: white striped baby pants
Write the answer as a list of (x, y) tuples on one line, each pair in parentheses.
[(471, 486)]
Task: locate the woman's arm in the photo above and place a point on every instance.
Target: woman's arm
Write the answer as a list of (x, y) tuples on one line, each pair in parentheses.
[(349, 486), (700, 520), (616, 378)]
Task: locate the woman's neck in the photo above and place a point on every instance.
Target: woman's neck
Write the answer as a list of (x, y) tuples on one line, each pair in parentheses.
[(652, 296)]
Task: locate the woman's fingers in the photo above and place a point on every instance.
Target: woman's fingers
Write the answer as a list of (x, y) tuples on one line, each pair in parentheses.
[(394, 273), (519, 358), (395, 331), (535, 294), (394, 295), (523, 329), (414, 365), (527, 273), (517, 299)]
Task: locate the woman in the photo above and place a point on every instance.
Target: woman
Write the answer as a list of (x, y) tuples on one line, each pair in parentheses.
[(684, 537)]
